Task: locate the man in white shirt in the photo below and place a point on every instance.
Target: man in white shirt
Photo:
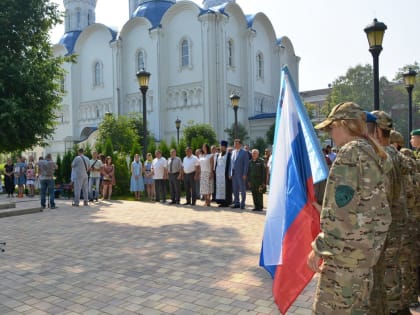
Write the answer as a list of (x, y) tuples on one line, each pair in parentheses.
[(160, 169), (190, 173), (95, 176)]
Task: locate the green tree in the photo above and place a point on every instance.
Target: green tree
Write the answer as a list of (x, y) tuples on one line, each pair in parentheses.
[(259, 144), (57, 173), (242, 133), (108, 148), (122, 175), (310, 108), (120, 130), (269, 135), (164, 148), (197, 134), (30, 75), (356, 86), (65, 169)]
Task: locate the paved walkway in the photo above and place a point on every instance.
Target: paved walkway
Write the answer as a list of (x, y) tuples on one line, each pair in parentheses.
[(125, 257)]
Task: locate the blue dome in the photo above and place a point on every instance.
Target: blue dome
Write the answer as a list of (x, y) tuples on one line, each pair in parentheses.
[(153, 11), (69, 40)]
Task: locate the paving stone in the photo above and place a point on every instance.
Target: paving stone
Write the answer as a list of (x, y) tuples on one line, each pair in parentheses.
[(136, 258)]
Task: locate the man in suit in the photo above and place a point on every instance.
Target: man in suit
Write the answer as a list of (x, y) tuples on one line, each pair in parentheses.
[(80, 167), (238, 172)]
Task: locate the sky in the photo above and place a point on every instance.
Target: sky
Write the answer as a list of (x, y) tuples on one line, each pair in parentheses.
[(327, 35)]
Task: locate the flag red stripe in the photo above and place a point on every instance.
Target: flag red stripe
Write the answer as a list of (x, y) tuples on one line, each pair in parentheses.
[(293, 275)]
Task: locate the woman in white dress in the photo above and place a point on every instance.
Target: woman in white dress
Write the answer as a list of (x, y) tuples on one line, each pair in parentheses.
[(206, 173)]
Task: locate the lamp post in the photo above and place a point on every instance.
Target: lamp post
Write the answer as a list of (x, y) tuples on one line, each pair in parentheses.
[(409, 81), (234, 101), (375, 34), (177, 125), (143, 78)]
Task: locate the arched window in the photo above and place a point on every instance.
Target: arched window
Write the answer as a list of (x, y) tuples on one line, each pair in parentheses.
[(97, 76), (140, 60), (260, 66), (185, 53), (230, 53)]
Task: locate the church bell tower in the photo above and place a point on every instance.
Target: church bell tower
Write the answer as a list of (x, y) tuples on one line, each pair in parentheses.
[(79, 14)]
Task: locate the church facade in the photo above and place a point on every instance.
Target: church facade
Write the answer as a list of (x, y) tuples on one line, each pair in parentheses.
[(197, 57)]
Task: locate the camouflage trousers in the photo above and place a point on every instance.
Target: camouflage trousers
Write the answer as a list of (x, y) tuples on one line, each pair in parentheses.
[(393, 270), (408, 262), (378, 304), (343, 290)]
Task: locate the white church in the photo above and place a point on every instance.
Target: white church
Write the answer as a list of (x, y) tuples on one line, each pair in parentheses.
[(197, 57)]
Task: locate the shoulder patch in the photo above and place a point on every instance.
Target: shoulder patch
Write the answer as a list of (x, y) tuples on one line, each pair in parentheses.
[(343, 195)]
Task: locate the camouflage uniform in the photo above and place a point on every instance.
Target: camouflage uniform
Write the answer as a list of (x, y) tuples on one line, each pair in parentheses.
[(256, 179), (409, 250), (355, 218), (388, 286), (416, 255)]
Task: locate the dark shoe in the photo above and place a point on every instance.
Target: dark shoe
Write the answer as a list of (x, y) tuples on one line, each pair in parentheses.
[(193, 204), (74, 205), (235, 206), (53, 207), (86, 203), (255, 209), (172, 202), (186, 203), (242, 207)]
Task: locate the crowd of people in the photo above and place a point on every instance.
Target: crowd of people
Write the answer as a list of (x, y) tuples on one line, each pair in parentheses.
[(368, 250), (220, 174)]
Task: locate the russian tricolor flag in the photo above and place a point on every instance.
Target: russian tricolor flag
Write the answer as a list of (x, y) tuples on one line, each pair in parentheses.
[(292, 222)]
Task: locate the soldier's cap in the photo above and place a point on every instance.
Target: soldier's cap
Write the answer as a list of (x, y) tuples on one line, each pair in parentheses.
[(383, 120), (370, 118), (342, 111), (396, 137), (415, 132), (224, 143)]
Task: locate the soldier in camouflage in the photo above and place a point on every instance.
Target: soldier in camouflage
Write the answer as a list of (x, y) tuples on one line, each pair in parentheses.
[(390, 265), (410, 252), (355, 216), (257, 179), (415, 143)]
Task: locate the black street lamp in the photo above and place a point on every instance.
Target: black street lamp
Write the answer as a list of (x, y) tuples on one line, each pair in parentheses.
[(409, 81), (177, 125), (375, 34), (143, 78), (234, 101)]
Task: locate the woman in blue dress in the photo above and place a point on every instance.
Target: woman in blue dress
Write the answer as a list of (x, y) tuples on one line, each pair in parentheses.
[(136, 182)]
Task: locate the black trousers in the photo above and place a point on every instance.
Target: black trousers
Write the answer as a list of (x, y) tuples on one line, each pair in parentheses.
[(160, 189), (174, 187), (189, 185)]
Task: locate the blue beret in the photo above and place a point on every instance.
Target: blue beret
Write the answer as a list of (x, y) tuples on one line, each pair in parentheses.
[(370, 117), (223, 143)]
